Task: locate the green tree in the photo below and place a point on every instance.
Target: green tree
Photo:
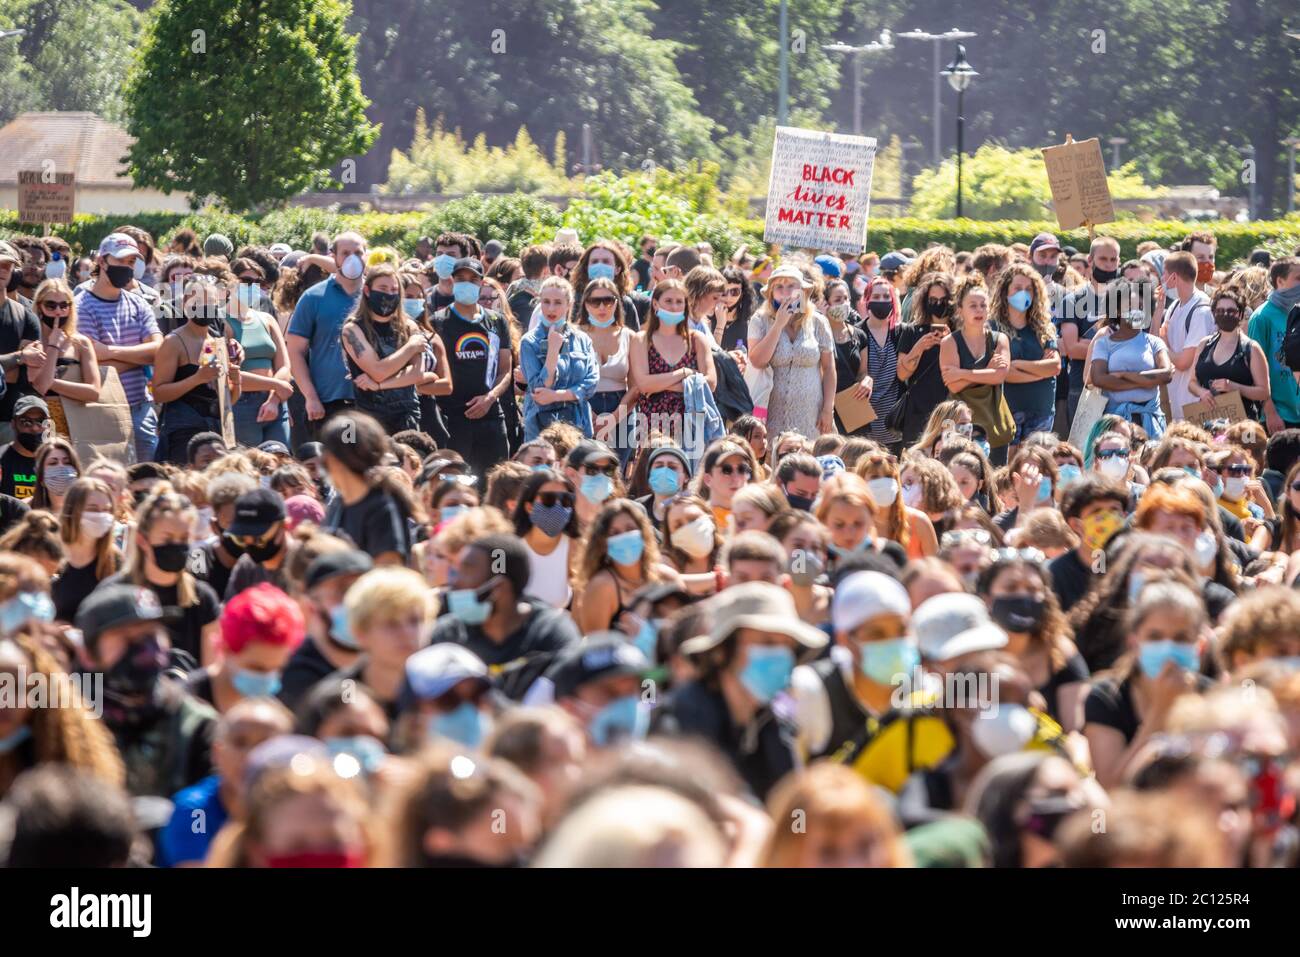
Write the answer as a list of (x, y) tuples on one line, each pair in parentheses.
[(492, 66), (71, 57), (251, 101)]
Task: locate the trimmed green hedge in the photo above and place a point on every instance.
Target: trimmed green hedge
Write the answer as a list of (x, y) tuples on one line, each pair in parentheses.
[(515, 218)]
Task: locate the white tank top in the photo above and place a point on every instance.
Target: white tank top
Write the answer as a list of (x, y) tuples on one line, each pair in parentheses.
[(548, 579)]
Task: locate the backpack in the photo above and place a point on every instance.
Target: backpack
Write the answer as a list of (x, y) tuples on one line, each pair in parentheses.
[(1291, 340)]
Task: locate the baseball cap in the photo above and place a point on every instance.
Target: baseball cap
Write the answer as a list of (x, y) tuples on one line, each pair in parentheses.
[(273, 447), (28, 402), (470, 263), (493, 248), (567, 236), (117, 245), (433, 671), (1044, 241), (8, 252), (892, 262), (112, 606), (302, 508), (947, 626), (830, 266), (256, 511), (831, 465), (283, 751), (605, 654), (348, 561), (863, 596), (291, 259), (309, 450), (217, 245), (279, 249), (598, 453), (759, 605)]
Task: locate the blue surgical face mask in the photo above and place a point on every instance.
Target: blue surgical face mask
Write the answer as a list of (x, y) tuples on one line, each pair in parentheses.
[(598, 324), (444, 265), (1217, 487), (1152, 656), (256, 684), (1020, 301), (1068, 474), (597, 488), (368, 752), (465, 293), (466, 725), (413, 308), (450, 512), (627, 548), (884, 661), (665, 481), (1136, 582), (600, 271), (1044, 489), (555, 324), (340, 629), (621, 718), (540, 467), (246, 294), (767, 671), (465, 604), (24, 607), (1192, 470), (646, 639), (11, 741), (670, 319)]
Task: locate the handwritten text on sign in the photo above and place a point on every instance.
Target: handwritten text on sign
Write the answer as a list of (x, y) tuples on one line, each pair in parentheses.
[(46, 197), (1076, 173), (819, 195)]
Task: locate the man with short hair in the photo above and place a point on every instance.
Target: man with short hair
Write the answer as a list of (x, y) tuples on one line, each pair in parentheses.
[(1188, 321), (19, 334), (447, 248), (123, 331), (1202, 245), (1268, 327), (258, 534), (989, 260), (643, 262), (1079, 312), (35, 253), (522, 294), (755, 556), (680, 262), (492, 251), (1093, 506), (424, 249), (564, 260), (203, 449)]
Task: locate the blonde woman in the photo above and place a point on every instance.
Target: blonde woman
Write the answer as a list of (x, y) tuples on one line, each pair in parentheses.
[(795, 342), (389, 613), (66, 367), (950, 417)]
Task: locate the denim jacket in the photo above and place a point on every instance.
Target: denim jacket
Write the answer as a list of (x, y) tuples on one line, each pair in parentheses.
[(577, 370), (1153, 419), (703, 422)]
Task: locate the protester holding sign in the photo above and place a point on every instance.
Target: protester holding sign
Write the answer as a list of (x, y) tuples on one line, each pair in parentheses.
[(68, 367), (1229, 361)]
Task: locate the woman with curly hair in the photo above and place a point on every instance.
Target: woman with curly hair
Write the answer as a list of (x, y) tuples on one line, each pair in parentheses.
[(930, 487), (619, 556), (1021, 310), (1018, 591), (63, 733), (929, 314)]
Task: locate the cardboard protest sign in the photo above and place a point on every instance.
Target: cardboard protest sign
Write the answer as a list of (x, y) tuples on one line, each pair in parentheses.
[(46, 197), (216, 352), (1077, 174), (854, 413), (819, 195), (104, 427), (1214, 408)]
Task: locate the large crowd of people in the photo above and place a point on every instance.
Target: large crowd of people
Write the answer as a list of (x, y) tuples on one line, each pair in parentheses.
[(452, 557)]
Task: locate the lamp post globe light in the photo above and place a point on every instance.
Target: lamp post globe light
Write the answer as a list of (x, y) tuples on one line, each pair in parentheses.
[(960, 73)]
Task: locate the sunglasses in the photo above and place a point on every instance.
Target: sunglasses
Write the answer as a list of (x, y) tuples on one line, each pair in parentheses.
[(601, 301), (254, 541), (250, 280), (552, 499), (32, 423), (1113, 454), (467, 480), (53, 305), (732, 293), (730, 470), (1235, 470), (1031, 555), (966, 536), (610, 470)]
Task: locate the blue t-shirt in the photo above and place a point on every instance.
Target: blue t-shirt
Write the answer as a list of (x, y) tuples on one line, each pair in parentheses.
[(196, 819), (1131, 355), (1037, 397), (319, 318)]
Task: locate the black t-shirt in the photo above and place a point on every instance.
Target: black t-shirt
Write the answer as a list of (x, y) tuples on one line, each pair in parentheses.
[(207, 567), (375, 524), (642, 269), (17, 324), (357, 672), (925, 389), (187, 632), (848, 357), (1071, 579), (545, 633), (12, 511), (1075, 670), (17, 473), (306, 668), (440, 300), (1082, 311), (71, 588), (248, 573), (472, 348), (1110, 703)]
